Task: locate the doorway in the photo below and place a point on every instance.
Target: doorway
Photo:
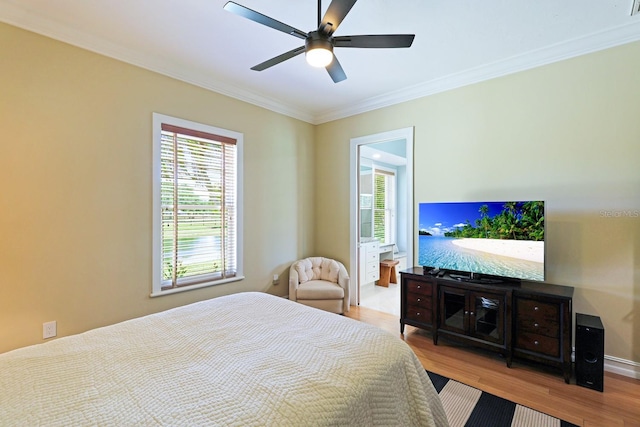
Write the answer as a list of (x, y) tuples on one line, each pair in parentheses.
[(381, 168)]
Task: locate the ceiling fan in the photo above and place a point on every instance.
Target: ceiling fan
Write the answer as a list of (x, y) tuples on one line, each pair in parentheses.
[(319, 44)]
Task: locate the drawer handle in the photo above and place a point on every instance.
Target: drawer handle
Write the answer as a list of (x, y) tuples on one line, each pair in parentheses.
[(536, 325), (536, 308), (419, 299), (472, 313), (418, 314), (536, 343), (419, 287)]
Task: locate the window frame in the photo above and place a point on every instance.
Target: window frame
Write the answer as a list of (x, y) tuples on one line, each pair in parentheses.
[(157, 260)]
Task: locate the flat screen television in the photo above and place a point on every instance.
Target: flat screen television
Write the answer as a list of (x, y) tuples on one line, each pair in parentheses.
[(499, 239)]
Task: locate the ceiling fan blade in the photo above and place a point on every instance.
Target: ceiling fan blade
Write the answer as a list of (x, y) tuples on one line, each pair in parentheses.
[(335, 71), (375, 41), (278, 59), (334, 15), (263, 19)]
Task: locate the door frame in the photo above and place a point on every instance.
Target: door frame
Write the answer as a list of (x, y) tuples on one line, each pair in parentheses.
[(405, 134)]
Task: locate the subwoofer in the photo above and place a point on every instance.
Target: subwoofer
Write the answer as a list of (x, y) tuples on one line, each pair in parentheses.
[(589, 352)]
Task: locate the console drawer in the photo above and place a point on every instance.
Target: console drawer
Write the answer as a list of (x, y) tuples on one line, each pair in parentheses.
[(538, 343), (419, 287), (418, 300), (419, 314), (534, 327), (537, 317)]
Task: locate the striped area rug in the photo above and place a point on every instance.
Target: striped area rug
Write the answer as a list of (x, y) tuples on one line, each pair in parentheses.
[(469, 407)]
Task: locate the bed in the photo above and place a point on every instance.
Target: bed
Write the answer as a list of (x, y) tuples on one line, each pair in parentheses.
[(247, 359)]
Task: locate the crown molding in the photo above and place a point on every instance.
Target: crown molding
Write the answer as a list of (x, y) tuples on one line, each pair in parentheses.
[(16, 16), (561, 51)]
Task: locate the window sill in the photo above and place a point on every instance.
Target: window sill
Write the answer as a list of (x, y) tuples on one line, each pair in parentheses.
[(193, 287)]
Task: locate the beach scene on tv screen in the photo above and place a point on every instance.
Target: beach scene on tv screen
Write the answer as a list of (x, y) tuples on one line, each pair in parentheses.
[(496, 238)]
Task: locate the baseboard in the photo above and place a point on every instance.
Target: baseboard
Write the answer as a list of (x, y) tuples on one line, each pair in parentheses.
[(628, 368)]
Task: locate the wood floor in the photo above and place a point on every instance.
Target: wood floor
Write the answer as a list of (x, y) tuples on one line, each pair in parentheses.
[(528, 384)]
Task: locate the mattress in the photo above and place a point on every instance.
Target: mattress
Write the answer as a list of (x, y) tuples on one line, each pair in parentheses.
[(247, 359)]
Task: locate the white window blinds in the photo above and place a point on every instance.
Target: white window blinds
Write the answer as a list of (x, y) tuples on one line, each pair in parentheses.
[(384, 206), (198, 198)]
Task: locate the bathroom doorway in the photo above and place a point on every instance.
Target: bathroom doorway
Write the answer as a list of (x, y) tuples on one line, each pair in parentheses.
[(381, 211)]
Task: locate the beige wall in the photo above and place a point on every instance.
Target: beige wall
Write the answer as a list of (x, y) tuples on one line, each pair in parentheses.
[(75, 164), (567, 133)]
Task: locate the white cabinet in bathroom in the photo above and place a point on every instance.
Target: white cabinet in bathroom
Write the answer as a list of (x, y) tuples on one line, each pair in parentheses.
[(369, 261)]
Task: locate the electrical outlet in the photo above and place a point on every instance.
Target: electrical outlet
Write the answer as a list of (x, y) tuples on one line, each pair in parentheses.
[(49, 330), (275, 279)]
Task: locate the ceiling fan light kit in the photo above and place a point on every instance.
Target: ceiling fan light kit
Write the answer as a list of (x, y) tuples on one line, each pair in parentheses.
[(319, 44), (319, 57), (318, 50)]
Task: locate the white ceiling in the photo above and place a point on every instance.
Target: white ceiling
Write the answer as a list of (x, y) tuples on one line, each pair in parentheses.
[(457, 42)]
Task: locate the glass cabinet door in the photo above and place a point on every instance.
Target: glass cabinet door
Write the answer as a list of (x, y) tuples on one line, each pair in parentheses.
[(486, 317), (453, 309)]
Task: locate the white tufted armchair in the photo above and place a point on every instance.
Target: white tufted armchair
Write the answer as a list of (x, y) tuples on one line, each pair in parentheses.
[(321, 283)]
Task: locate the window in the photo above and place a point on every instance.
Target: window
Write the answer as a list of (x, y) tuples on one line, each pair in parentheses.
[(197, 193), (384, 196)]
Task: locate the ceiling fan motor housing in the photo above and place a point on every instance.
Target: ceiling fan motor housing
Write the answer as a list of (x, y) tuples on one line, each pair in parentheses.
[(315, 40)]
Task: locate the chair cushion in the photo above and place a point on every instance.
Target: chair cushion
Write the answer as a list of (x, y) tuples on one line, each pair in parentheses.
[(317, 268), (319, 289)]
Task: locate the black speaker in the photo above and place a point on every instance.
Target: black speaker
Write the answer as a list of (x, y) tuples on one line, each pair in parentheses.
[(589, 352)]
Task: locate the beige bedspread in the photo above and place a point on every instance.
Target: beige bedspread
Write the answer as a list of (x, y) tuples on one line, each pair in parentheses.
[(248, 359)]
